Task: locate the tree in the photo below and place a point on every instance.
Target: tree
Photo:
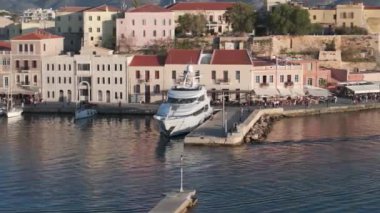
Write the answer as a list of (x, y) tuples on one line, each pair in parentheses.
[(191, 24), (351, 31), (242, 17), (287, 19), (159, 46)]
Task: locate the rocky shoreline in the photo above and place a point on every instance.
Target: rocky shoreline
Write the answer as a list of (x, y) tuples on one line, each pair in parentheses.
[(261, 129)]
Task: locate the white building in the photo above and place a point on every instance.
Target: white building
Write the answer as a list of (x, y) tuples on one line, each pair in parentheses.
[(38, 15), (95, 78), (269, 4)]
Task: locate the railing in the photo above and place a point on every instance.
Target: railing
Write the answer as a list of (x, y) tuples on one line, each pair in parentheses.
[(223, 81), (288, 84), (23, 69)]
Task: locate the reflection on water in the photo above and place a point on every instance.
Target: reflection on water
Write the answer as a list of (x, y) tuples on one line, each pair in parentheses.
[(122, 163)]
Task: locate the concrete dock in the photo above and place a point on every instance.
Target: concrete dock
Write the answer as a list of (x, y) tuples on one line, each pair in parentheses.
[(176, 202), (212, 132)]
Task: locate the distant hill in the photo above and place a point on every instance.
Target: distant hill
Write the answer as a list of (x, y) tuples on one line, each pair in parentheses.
[(20, 5)]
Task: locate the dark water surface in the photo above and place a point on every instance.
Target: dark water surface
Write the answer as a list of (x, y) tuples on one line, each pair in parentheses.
[(328, 163)]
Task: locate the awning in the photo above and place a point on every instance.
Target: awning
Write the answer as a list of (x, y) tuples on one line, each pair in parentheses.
[(363, 89), (316, 91), (285, 92), (298, 92), (271, 92)]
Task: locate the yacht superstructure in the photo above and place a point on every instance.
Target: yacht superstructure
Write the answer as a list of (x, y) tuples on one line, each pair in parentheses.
[(186, 107)]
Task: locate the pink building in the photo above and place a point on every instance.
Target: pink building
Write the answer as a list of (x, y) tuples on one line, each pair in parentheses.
[(143, 26)]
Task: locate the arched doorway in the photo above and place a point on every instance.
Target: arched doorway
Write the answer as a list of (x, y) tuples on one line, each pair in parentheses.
[(84, 90), (100, 96), (108, 96), (61, 97), (69, 96)]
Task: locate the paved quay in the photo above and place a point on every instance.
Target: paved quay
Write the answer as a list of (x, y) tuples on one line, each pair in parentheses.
[(176, 202), (212, 132), (128, 109)]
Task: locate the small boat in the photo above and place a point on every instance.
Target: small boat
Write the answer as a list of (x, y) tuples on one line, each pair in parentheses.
[(186, 107), (14, 112), (84, 111)]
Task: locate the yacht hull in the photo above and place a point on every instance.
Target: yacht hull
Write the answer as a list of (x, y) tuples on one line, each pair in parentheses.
[(14, 113), (178, 126)]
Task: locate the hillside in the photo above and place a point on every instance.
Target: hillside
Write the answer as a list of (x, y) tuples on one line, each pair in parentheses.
[(19, 5)]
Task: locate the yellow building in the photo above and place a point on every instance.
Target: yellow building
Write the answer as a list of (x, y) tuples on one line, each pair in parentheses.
[(348, 15)]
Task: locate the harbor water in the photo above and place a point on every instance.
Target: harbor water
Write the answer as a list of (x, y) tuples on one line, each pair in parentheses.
[(328, 163)]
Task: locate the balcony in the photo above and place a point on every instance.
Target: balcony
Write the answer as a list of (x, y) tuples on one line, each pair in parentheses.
[(23, 69), (141, 81), (288, 84), (223, 81), (262, 85), (24, 83)]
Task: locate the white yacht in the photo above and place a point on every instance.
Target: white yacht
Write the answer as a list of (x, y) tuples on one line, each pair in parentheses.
[(186, 107)]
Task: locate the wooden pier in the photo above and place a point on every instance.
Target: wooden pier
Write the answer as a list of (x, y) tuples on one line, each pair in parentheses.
[(176, 202)]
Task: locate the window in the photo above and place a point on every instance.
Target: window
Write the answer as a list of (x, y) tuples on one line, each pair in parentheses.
[(80, 18), (47, 67), (69, 67), (115, 67), (296, 78), (138, 76), (352, 15), (109, 80), (237, 75), (98, 67), (156, 74), (225, 76), (257, 79), (34, 64), (155, 22), (44, 47), (48, 80), (69, 80), (282, 78), (133, 33), (163, 33), (352, 25), (58, 29), (20, 47), (109, 67), (103, 67), (144, 33), (154, 33), (98, 80), (17, 64), (90, 29), (156, 89), (48, 94), (211, 18), (121, 95), (137, 89), (58, 18), (143, 22), (103, 80), (121, 80), (213, 75), (98, 18), (115, 80), (133, 22), (314, 17), (59, 80), (174, 74), (90, 18), (52, 80), (64, 67), (271, 78), (120, 67), (116, 97), (170, 22), (163, 22), (59, 67), (98, 29), (52, 67), (26, 48), (64, 80), (31, 48), (309, 81), (147, 75), (52, 94), (83, 67)]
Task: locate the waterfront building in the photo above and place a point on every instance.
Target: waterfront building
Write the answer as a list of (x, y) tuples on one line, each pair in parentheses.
[(146, 78), (347, 15), (5, 24), (85, 26), (99, 26), (38, 14), (213, 11), (144, 26), (5, 62), (27, 52), (270, 4), (93, 78)]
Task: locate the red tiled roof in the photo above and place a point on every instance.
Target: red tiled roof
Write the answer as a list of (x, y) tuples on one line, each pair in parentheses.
[(72, 9), (259, 63), (103, 8), (179, 56), (372, 7), (36, 35), (201, 6), (5, 45), (230, 57), (147, 60), (149, 8)]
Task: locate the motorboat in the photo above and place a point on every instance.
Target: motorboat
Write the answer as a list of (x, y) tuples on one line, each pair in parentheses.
[(84, 111), (14, 112), (187, 106)]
